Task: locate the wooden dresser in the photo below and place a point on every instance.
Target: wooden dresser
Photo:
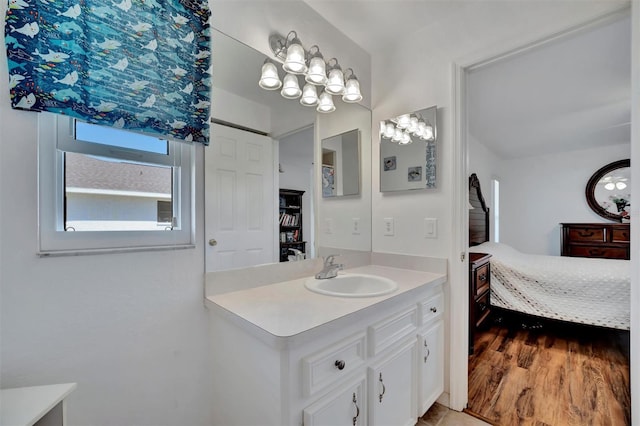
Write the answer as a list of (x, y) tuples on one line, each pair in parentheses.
[(479, 289), (605, 240)]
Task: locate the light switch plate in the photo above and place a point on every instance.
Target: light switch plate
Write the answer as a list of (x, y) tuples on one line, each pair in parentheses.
[(388, 226), (355, 226), (430, 227)]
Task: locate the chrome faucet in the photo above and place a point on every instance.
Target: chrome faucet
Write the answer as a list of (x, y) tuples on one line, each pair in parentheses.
[(330, 269)]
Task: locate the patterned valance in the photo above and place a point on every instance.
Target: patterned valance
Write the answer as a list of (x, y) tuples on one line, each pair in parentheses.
[(142, 65)]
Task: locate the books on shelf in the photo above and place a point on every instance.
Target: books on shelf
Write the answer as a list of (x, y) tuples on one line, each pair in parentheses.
[(287, 219)]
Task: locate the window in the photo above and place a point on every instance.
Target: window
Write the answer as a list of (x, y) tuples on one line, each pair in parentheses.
[(103, 188)]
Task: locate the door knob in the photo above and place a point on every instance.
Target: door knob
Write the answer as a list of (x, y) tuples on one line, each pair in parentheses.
[(213, 242)]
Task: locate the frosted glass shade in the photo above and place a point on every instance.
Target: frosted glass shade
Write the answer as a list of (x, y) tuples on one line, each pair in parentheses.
[(309, 95), (290, 87), (269, 78), (352, 91), (335, 82), (403, 121), (413, 125), (428, 133), (389, 131), (317, 73), (295, 62), (406, 139), (397, 135), (325, 103)]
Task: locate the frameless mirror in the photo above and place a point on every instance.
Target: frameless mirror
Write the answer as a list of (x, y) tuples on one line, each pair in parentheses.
[(293, 132), (341, 165), (608, 191), (408, 151)]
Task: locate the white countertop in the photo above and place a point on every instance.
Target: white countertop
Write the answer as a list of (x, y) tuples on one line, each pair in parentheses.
[(288, 308), (25, 406)]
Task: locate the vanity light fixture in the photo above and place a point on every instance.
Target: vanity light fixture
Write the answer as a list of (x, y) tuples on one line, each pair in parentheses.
[(402, 128), (296, 61)]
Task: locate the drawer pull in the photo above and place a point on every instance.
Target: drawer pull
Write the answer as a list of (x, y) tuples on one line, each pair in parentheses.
[(355, 402), (434, 309), (482, 277), (586, 233), (428, 351), (339, 364), (596, 252), (384, 389)]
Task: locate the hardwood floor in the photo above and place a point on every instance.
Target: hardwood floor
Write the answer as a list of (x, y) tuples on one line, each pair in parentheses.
[(550, 374)]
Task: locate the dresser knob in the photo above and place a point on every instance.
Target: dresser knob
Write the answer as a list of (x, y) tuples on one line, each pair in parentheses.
[(434, 309), (339, 364)]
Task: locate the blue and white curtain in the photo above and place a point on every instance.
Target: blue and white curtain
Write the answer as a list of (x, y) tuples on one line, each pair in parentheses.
[(142, 65)]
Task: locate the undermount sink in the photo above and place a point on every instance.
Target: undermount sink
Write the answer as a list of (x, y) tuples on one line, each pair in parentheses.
[(352, 285)]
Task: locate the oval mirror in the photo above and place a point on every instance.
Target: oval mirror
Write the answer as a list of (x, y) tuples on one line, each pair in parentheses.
[(608, 191)]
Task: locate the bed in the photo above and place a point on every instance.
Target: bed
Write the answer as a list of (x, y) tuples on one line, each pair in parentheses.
[(574, 289)]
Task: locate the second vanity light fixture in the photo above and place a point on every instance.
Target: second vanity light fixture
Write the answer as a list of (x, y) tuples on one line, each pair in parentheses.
[(403, 128), (328, 76)]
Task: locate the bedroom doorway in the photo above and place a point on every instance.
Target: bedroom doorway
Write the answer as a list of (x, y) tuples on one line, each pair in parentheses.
[(462, 71)]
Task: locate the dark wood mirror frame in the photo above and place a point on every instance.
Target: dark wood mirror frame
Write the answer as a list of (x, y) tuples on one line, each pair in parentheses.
[(591, 187)]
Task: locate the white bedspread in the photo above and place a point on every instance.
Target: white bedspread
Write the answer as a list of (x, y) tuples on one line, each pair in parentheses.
[(575, 289)]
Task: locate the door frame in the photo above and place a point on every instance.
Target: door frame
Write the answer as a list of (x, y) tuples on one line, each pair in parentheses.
[(459, 277)]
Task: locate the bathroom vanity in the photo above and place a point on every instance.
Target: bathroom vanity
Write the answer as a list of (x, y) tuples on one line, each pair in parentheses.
[(285, 355)]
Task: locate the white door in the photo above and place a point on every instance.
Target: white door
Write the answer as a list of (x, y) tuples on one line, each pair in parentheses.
[(239, 199)]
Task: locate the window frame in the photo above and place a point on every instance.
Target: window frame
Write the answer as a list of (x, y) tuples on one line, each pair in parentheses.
[(55, 136)]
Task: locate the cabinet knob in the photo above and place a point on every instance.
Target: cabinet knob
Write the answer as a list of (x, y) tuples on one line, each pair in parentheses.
[(434, 309), (339, 364)]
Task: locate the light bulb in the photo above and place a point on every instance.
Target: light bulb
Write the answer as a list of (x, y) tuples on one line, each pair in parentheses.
[(290, 87), (325, 103), (352, 91), (309, 95), (403, 121), (621, 185), (317, 73), (610, 186), (295, 62), (269, 79)]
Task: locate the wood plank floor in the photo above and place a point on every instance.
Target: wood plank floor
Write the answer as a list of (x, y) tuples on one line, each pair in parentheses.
[(550, 374)]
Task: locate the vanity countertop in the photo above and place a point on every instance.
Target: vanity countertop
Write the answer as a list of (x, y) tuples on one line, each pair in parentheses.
[(286, 309)]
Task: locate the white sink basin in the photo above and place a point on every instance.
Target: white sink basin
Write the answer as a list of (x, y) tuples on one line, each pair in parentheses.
[(352, 285)]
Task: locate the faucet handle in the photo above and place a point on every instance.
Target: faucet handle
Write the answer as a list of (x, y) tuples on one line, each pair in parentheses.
[(329, 259)]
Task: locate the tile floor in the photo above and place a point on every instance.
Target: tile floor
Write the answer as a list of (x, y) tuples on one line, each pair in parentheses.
[(439, 415)]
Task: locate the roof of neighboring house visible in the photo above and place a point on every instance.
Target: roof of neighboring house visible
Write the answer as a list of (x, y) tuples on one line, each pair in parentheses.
[(84, 171)]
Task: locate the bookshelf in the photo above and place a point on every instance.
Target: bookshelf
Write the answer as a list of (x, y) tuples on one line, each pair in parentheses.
[(290, 220)]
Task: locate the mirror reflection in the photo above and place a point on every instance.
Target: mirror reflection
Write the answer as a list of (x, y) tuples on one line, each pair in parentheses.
[(263, 144), (609, 191), (408, 151), (341, 165)]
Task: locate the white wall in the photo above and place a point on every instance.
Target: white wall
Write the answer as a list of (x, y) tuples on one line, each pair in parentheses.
[(538, 193), (234, 109)]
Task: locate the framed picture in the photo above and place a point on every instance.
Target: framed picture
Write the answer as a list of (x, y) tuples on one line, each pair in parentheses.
[(328, 181), (414, 174)]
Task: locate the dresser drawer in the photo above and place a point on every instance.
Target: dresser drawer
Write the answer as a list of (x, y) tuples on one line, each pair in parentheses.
[(620, 235), (431, 308), (387, 332), (332, 363), (599, 251), (482, 279), (481, 309), (587, 234)]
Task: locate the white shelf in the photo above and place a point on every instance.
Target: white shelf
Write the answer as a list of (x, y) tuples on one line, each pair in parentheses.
[(25, 406)]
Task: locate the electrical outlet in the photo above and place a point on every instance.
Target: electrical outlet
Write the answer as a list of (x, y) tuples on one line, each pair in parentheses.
[(355, 226), (328, 226), (430, 227), (388, 226)]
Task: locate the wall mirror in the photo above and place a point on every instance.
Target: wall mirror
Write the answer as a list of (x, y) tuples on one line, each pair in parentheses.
[(242, 208), (341, 165), (408, 153), (608, 191)]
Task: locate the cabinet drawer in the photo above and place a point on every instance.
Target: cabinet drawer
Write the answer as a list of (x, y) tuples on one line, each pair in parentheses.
[(482, 279), (387, 332), (599, 251), (431, 308), (587, 234), (332, 364), (481, 309), (620, 235)]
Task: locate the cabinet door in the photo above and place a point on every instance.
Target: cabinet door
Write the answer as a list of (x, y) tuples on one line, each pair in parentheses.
[(392, 388), (343, 406), (431, 365)]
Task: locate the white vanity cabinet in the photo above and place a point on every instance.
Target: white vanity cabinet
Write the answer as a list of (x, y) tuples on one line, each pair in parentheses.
[(363, 368)]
